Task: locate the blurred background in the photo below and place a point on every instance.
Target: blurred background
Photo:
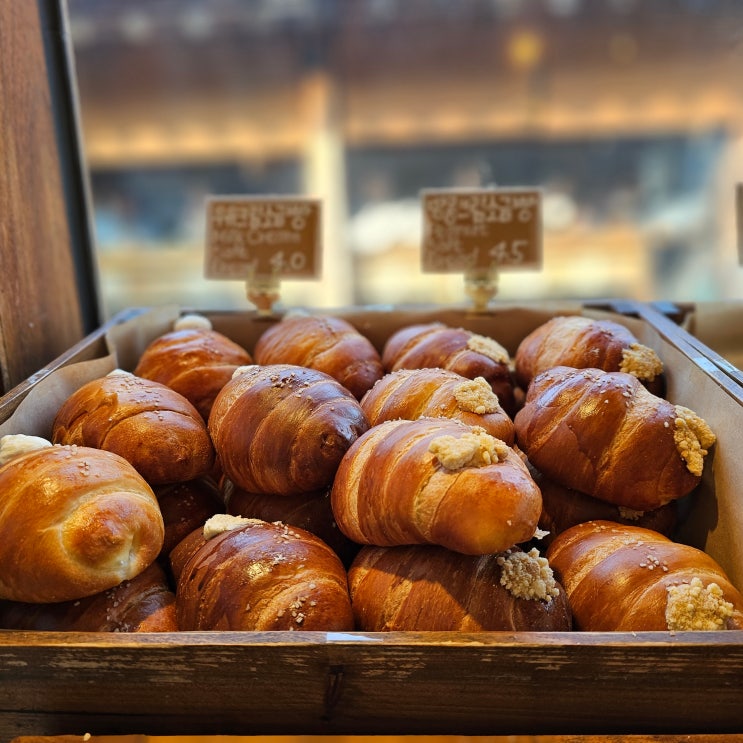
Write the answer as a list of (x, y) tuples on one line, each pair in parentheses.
[(628, 114)]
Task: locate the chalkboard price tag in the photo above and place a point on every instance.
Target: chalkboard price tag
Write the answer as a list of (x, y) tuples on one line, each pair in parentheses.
[(257, 236), (477, 230)]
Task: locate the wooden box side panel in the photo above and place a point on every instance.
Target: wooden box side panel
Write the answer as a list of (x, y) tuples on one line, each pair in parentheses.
[(41, 217), (493, 683)]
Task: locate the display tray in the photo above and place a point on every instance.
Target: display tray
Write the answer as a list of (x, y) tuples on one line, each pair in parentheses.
[(490, 683)]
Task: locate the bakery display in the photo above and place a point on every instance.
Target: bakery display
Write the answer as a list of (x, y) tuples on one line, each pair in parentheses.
[(193, 359), (283, 428), (437, 393), (585, 342), (627, 578), (462, 351), (75, 521), (324, 342), (606, 435), (429, 588), (435, 481), (247, 574), (428, 504), (150, 425), (144, 603)]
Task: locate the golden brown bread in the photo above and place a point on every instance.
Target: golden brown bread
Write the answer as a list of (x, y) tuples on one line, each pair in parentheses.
[(186, 506), (194, 360), (429, 588), (309, 511), (435, 481), (457, 349), (74, 521), (283, 429), (604, 434), (437, 393), (631, 579), (152, 426), (584, 342), (323, 342), (146, 603), (564, 507), (255, 575)]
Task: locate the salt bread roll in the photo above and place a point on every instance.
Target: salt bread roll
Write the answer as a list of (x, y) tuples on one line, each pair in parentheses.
[(74, 521), (435, 481)]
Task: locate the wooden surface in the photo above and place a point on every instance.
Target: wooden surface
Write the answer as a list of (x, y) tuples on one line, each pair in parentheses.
[(401, 683), (702, 738), (48, 300)]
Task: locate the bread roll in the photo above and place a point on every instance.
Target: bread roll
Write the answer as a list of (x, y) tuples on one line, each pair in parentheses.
[(145, 603), (186, 506), (437, 393), (584, 342), (631, 579), (604, 434), (153, 427), (283, 429), (564, 507), (435, 481), (421, 588), (248, 574), (323, 342), (457, 349), (309, 511), (194, 360), (75, 521)]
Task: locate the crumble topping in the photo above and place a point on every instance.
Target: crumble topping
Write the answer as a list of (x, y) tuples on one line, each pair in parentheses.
[(693, 438), (691, 606), (641, 361), (475, 448), (476, 396), (526, 575), (488, 347), (630, 514)]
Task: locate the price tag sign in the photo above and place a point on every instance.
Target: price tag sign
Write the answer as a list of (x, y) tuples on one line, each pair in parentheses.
[(250, 236), (470, 230)]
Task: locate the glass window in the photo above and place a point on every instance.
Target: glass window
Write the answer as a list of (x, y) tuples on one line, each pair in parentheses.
[(627, 114)]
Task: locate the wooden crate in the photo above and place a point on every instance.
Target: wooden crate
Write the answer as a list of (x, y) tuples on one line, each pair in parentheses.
[(317, 683)]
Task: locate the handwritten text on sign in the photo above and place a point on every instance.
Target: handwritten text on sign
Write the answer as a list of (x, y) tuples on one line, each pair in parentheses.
[(257, 236), (468, 230)]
